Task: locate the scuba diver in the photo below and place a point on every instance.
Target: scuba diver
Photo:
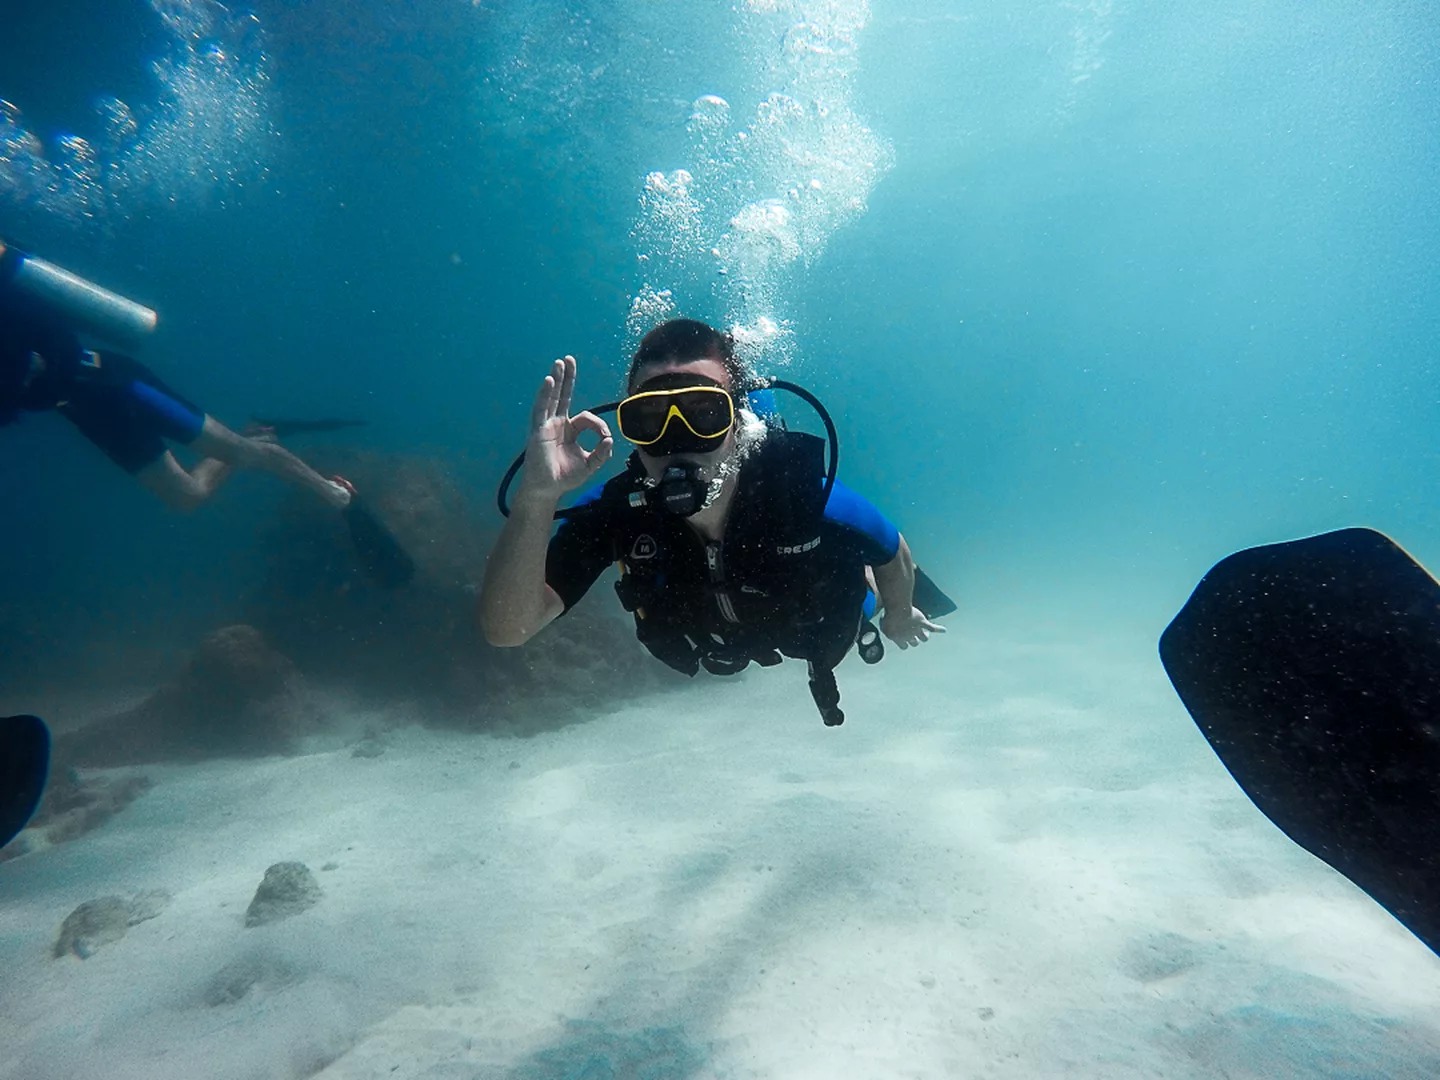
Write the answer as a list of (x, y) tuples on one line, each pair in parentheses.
[(115, 401), (49, 316), (734, 541)]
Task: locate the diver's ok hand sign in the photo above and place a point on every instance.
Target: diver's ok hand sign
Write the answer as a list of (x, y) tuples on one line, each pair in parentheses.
[(555, 462)]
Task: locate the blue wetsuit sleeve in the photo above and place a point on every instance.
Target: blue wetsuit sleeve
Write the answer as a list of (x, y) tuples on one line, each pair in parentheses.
[(579, 551), (877, 538)]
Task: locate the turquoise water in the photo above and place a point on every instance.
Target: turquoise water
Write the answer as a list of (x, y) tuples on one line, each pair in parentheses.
[(1097, 291), (1121, 287)]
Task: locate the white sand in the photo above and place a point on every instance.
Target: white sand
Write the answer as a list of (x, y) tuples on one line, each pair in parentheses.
[(1010, 862)]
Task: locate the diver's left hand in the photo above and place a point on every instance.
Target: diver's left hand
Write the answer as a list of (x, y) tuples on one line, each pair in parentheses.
[(909, 629)]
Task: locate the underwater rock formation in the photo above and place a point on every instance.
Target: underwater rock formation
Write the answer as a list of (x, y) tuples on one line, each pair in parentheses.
[(420, 642), (74, 804), (236, 697), (287, 889)]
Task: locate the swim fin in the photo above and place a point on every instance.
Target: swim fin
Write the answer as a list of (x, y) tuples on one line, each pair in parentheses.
[(24, 765), (928, 597), (283, 428), (1313, 669), (386, 563)]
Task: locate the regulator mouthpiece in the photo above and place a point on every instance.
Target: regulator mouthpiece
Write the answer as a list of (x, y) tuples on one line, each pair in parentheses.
[(680, 491)]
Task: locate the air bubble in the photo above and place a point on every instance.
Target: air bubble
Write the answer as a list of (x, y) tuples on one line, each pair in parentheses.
[(205, 131), (762, 199), (709, 116)]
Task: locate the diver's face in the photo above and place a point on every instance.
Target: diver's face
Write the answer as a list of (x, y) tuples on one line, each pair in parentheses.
[(709, 369)]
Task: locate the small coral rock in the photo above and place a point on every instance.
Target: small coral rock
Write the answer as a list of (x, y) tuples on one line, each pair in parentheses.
[(91, 925), (99, 922), (248, 973), (288, 889)]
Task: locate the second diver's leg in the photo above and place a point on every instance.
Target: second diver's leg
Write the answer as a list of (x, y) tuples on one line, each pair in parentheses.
[(231, 449)]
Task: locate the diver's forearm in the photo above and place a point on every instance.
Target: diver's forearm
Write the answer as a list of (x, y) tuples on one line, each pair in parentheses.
[(895, 581), (515, 602)]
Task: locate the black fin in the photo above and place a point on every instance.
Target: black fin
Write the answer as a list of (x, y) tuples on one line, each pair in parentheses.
[(1313, 669), (928, 597), (24, 765), (386, 563), (285, 427)]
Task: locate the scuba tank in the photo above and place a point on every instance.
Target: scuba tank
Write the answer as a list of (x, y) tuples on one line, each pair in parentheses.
[(83, 305)]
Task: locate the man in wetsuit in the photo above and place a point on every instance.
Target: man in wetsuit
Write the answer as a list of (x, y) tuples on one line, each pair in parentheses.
[(130, 414), (730, 551)]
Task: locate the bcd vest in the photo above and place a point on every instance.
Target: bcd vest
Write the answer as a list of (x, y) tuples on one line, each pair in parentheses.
[(770, 589)]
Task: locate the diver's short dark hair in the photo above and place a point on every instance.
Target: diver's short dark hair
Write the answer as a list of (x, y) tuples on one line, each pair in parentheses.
[(681, 340)]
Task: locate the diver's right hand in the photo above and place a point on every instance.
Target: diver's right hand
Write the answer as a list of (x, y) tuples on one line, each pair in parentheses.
[(555, 462)]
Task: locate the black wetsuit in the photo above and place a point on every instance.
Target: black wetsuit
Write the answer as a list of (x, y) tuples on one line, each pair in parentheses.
[(118, 403), (787, 580)]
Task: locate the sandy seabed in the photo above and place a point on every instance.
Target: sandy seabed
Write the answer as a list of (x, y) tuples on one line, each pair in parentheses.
[(1011, 862)]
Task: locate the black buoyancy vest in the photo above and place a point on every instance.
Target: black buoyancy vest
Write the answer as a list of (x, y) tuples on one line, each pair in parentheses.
[(24, 331), (769, 589)]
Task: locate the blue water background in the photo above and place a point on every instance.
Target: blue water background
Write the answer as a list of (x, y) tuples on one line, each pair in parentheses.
[(1144, 284)]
